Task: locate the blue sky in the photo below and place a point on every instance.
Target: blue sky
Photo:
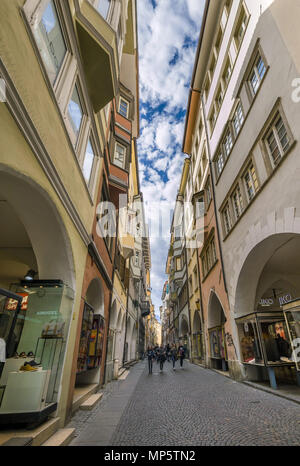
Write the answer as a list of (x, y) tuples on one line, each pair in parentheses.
[(168, 36)]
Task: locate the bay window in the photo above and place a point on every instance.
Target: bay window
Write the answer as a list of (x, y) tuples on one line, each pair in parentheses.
[(50, 40)]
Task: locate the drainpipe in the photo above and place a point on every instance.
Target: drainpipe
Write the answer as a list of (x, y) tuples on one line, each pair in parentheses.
[(111, 293)]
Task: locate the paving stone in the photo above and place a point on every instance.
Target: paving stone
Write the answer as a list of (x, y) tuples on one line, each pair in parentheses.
[(193, 406)]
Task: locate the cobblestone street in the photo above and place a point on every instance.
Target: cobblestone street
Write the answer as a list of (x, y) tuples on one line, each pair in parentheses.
[(189, 406)]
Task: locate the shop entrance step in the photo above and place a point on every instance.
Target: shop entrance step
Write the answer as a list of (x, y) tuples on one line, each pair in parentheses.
[(39, 435), (124, 375), (91, 401), (121, 371), (81, 394), (61, 438)]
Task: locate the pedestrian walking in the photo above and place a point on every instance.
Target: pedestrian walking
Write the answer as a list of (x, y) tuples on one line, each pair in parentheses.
[(168, 352), (181, 353), (161, 359), (174, 355), (150, 356)]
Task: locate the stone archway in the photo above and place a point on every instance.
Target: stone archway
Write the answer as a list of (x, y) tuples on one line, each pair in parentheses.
[(275, 258), (30, 207), (33, 235), (94, 307), (197, 351)]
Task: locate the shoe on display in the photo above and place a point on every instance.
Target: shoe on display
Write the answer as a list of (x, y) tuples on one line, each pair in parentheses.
[(22, 355), (33, 363), (27, 368), (30, 354), (16, 356)]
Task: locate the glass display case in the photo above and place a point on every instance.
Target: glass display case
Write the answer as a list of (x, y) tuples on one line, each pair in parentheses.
[(291, 313), (35, 334), (249, 341), (91, 340), (86, 329), (264, 339), (95, 345), (217, 343), (197, 346)]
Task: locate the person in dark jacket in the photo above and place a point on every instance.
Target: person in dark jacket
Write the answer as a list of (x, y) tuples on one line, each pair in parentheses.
[(168, 352), (174, 355), (150, 356), (161, 359), (181, 354)]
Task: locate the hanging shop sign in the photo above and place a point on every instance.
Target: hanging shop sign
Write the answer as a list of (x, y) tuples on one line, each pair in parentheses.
[(12, 304)]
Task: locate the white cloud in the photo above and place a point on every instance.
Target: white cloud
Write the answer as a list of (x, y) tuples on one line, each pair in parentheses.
[(168, 36)]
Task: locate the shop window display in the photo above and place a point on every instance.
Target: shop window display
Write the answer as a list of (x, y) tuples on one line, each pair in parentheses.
[(292, 318), (91, 340), (35, 336), (217, 343), (250, 345), (276, 344), (264, 339), (197, 346)]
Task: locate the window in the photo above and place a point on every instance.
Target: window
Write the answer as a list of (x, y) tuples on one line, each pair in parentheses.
[(178, 264), (241, 28), (227, 219), (196, 278), (75, 114), (224, 18), (106, 229), (208, 192), (257, 74), (103, 7), (137, 259), (123, 107), (238, 119), (251, 182), (209, 258), (219, 98), (200, 207), (227, 72), (120, 154), (237, 201), (219, 40), (88, 162), (277, 140), (228, 143), (50, 41), (213, 118), (220, 163)]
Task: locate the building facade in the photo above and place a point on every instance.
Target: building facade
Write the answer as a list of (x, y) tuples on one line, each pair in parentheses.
[(69, 121), (242, 119)]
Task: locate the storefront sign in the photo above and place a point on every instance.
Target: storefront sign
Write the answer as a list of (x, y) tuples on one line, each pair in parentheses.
[(285, 299), (12, 304), (270, 302)]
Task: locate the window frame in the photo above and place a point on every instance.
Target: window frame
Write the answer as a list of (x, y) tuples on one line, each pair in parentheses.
[(125, 155), (243, 13), (246, 172), (119, 106), (227, 225), (240, 120), (254, 70), (272, 130), (238, 208)]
